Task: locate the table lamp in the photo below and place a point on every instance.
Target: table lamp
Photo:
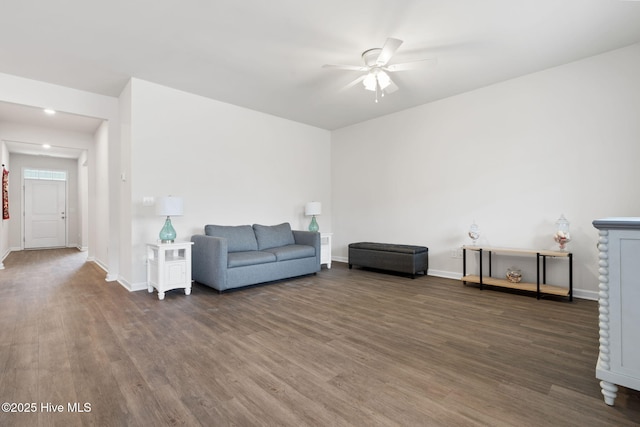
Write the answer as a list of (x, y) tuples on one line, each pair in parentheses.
[(312, 209), (168, 206)]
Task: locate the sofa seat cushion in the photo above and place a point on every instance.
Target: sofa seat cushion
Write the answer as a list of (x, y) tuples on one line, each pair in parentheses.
[(288, 252), (239, 237), (273, 236), (240, 259)]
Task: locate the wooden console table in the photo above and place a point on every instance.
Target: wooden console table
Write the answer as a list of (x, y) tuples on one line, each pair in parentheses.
[(540, 287)]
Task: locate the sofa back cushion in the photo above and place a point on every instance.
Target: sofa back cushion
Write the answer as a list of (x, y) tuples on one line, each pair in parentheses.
[(273, 236), (239, 237)]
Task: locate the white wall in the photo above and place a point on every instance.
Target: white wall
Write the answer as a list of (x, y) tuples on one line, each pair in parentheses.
[(83, 199), (231, 165), (99, 204), (125, 186), (512, 157)]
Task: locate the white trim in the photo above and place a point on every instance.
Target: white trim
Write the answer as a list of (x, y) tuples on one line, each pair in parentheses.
[(445, 274), (6, 254), (109, 277), (135, 287), (98, 263), (121, 281), (582, 294)]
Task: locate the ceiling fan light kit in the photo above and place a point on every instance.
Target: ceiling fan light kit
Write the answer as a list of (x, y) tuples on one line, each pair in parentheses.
[(375, 61), (376, 79)]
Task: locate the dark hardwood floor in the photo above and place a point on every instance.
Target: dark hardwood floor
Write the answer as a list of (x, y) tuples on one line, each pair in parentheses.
[(341, 348)]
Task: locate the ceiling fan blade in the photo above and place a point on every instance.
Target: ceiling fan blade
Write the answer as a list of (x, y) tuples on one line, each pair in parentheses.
[(391, 88), (389, 48), (411, 65), (353, 83), (345, 67)]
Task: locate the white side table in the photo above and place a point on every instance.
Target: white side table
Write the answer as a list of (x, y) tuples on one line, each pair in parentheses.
[(325, 249), (169, 267)]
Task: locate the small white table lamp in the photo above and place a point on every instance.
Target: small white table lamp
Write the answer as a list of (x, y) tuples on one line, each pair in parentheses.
[(312, 209), (168, 206)]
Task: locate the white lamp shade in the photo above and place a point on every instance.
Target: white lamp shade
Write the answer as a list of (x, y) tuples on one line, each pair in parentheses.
[(313, 208), (169, 206)]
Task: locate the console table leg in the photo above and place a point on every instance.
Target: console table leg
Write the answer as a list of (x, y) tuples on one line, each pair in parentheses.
[(537, 276), (480, 251), (570, 277), (464, 263)]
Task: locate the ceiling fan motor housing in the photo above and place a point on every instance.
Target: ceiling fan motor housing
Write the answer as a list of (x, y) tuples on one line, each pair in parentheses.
[(370, 56)]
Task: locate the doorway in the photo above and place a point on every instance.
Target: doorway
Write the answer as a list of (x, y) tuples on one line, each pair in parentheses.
[(45, 209)]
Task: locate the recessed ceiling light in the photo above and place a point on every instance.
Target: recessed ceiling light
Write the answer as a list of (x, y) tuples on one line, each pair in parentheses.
[(49, 111), (46, 146)]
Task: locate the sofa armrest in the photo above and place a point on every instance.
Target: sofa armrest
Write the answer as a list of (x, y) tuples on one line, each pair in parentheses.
[(310, 238), (209, 261)]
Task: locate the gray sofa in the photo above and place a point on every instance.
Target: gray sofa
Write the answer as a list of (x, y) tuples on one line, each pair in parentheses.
[(227, 257)]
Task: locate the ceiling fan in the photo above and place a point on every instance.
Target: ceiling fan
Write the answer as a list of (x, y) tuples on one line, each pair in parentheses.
[(376, 68)]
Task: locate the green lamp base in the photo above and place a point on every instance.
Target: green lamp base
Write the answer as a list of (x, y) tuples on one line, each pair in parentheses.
[(313, 226), (168, 233)]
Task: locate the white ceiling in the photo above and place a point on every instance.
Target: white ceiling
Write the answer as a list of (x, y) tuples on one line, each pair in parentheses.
[(268, 55), (37, 117), (22, 114)]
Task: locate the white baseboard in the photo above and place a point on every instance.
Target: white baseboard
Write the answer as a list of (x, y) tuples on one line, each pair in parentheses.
[(132, 287), (120, 280), (109, 277), (445, 274), (98, 263), (6, 254), (582, 294)]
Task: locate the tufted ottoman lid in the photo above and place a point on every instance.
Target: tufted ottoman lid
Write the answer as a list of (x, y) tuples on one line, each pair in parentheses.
[(389, 247)]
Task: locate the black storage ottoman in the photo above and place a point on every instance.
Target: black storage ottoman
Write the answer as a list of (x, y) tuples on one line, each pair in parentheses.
[(392, 257)]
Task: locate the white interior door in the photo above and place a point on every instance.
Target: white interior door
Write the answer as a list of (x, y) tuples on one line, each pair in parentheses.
[(45, 224)]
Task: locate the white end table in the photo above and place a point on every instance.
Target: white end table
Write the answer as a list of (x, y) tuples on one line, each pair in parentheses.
[(169, 267), (325, 249)]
